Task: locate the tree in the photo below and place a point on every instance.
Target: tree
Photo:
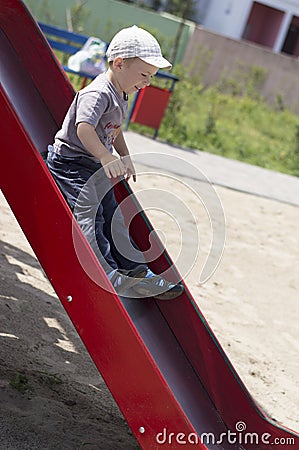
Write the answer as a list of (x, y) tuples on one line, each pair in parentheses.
[(185, 9), (182, 10)]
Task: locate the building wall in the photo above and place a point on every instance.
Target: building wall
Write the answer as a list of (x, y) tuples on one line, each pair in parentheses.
[(211, 57), (200, 10), (229, 17)]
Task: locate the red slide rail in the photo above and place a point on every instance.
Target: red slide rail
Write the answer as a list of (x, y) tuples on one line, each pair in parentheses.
[(179, 383)]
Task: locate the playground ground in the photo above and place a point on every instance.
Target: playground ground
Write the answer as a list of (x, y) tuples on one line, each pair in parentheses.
[(52, 397)]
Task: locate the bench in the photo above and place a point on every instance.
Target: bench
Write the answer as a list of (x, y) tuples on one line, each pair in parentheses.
[(68, 43)]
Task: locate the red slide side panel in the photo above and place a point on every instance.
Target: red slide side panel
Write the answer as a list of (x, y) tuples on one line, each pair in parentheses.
[(99, 316)]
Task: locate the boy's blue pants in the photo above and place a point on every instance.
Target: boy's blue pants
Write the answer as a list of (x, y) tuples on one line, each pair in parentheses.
[(90, 195)]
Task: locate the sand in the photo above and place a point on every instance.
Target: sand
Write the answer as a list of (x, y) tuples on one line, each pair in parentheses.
[(52, 396)]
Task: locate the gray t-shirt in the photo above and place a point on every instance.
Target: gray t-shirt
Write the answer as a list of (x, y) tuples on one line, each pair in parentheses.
[(98, 104)]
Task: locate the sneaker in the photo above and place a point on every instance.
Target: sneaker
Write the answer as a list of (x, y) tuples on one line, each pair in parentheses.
[(139, 271), (157, 287), (123, 279)]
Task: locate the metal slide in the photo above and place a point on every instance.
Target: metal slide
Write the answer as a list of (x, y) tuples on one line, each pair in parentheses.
[(177, 388)]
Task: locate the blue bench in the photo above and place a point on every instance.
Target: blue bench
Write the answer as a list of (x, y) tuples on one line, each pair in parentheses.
[(68, 43)]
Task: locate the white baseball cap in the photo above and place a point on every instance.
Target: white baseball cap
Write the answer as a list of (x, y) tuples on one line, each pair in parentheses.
[(135, 42)]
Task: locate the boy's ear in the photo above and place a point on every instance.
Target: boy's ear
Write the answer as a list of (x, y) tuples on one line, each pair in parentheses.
[(118, 63)]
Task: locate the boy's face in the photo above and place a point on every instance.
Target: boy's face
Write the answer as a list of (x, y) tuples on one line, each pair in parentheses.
[(134, 74)]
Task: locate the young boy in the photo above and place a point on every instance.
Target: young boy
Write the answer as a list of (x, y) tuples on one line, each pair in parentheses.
[(82, 163)]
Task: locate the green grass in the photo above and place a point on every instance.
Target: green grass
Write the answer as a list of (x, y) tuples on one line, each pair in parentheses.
[(234, 126)]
